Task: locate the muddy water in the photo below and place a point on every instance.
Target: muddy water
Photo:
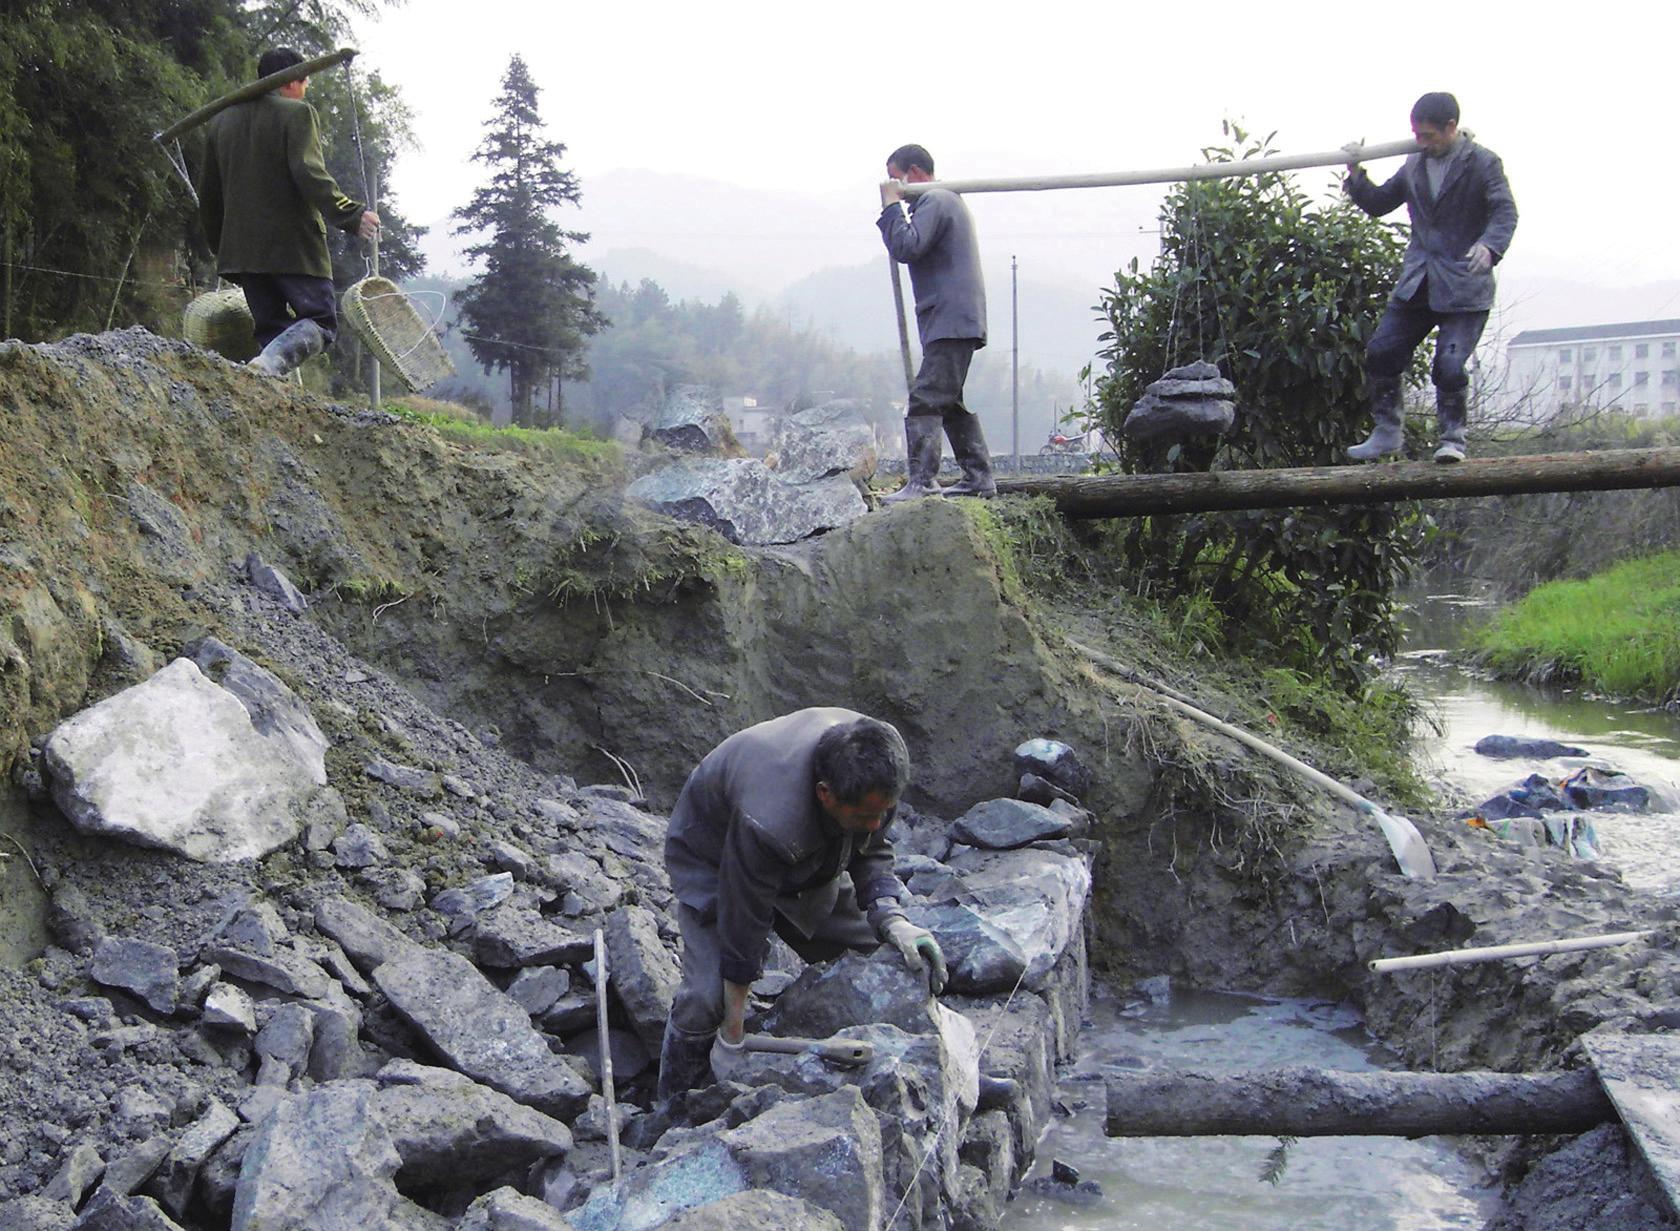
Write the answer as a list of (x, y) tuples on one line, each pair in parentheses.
[(1642, 742), (1213, 1183)]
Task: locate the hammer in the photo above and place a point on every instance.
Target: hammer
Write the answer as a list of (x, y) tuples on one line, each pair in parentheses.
[(851, 1053)]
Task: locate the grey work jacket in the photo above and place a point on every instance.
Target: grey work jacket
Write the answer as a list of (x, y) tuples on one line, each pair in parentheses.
[(1474, 206), (934, 235), (748, 839)]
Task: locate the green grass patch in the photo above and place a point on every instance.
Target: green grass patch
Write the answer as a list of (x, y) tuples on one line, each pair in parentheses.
[(561, 444), (1617, 632)]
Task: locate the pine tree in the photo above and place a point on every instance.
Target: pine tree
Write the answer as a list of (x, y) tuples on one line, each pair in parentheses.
[(531, 309)]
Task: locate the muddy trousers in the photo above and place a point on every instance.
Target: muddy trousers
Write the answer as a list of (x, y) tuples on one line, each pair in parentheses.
[(1405, 325), (697, 1010)]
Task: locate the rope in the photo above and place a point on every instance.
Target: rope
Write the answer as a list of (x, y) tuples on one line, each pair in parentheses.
[(940, 1131)]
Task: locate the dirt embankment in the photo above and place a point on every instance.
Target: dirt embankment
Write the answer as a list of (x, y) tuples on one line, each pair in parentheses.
[(521, 597)]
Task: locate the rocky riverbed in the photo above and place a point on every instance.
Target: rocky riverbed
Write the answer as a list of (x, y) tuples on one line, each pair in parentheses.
[(510, 670)]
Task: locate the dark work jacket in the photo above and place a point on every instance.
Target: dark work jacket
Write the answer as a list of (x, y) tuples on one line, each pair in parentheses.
[(935, 237), (1474, 206), (264, 195), (748, 839)]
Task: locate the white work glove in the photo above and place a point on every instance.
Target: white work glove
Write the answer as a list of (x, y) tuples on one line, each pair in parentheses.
[(1353, 149), (728, 1059), (1480, 257), (892, 192), (919, 950)]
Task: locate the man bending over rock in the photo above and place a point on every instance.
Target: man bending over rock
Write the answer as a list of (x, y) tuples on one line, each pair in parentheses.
[(763, 836)]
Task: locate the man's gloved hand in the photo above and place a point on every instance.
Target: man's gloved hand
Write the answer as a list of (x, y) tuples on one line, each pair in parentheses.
[(919, 950), (1353, 149), (892, 192), (728, 1059), (1480, 257)]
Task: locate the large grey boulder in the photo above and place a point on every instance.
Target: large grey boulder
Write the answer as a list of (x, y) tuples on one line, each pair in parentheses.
[(513, 936), (745, 501), (172, 1183), (642, 971), (175, 763), (851, 990), (755, 1208), (831, 439), (979, 957), (113, 1211), (444, 1124), (1187, 402), (322, 1160), (825, 1150), (1034, 896), (1004, 824), (479, 1030), (690, 418), (276, 711), (694, 1175), (364, 936)]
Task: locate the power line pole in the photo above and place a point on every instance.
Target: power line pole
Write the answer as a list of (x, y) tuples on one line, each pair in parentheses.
[(1015, 362)]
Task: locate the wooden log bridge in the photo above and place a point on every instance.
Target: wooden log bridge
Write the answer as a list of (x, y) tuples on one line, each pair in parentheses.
[(1126, 495), (1309, 1102)]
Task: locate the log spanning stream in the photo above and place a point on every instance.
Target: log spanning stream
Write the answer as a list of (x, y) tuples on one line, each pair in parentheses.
[(1213, 1183)]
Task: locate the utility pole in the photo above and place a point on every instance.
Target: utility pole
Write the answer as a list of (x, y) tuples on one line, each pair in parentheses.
[(1015, 362)]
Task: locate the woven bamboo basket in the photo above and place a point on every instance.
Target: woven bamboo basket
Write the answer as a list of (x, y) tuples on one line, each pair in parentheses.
[(386, 322), (221, 321)]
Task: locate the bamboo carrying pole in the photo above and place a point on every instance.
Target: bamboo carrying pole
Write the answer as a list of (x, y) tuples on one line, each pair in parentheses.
[(255, 89), (606, 1054), (1136, 495), (903, 325), (1356, 152), (1500, 953)]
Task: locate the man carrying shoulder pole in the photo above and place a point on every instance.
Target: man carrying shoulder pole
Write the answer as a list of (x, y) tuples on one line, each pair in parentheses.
[(265, 198), (934, 235), (1463, 217)]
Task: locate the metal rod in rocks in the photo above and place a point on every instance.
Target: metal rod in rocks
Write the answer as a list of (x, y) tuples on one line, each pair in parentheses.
[(606, 1054)]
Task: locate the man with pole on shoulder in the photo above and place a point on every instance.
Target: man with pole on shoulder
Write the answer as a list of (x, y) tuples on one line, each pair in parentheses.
[(265, 198), (934, 235), (1463, 217)]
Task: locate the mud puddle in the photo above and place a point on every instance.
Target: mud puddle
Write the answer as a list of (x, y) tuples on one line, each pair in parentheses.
[(1213, 1183)]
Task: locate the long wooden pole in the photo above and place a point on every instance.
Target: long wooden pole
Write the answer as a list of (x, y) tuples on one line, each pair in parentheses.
[(1311, 1102), (606, 1055), (1171, 175), (1503, 953), (903, 325), (255, 89), (1119, 495)]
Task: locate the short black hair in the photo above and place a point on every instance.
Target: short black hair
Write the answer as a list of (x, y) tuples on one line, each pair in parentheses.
[(1438, 108), (907, 156), (861, 758), (276, 60)]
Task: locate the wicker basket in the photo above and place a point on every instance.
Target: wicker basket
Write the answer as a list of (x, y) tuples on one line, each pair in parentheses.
[(221, 321), (386, 322)]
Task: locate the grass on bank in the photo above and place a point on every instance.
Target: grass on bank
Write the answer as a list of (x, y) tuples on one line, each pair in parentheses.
[(1616, 632), (464, 426)]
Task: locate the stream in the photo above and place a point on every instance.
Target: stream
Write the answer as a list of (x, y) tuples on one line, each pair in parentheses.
[(1342, 1183)]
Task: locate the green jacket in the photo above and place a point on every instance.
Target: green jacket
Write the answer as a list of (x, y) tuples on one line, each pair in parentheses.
[(264, 190)]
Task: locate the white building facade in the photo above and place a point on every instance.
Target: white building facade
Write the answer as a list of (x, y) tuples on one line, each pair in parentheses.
[(1632, 367)]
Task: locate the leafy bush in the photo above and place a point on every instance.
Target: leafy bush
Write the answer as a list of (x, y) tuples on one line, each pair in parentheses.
[(1282, 293)]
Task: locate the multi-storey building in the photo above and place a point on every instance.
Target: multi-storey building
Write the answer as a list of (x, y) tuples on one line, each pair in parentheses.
[(1632, 367)]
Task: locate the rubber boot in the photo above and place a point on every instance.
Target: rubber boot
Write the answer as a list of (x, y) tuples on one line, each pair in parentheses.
[(1386, 434), (300, 341), (1450, 416), (968, 445), (685, 1061), (924, 446)]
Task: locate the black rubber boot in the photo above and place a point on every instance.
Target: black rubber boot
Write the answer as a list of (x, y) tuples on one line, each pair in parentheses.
[(1387, 434), (685, 1062), (282, 356), (968, 445), (924, 445), (1451, 407)]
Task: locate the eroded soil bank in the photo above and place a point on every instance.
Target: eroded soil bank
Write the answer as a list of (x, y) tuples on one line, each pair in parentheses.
[(523, 623)]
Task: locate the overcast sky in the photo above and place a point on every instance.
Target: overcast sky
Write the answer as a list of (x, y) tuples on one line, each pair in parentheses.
[(1580, 102)]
